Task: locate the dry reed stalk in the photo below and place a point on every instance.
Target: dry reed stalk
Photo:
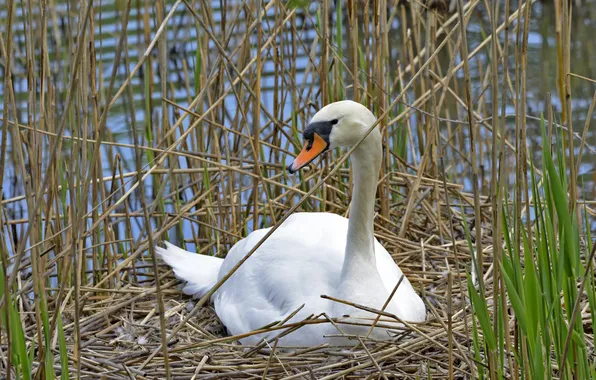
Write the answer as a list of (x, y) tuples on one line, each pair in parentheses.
[(6, 50)]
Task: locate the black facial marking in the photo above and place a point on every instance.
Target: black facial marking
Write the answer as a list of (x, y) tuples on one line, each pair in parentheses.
[(321, 128)]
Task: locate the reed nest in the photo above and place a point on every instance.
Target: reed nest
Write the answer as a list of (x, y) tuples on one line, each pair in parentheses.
[(127, 124), (120, 328)]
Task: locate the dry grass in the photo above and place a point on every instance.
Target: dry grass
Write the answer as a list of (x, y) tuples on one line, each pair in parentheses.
[(185, 136)]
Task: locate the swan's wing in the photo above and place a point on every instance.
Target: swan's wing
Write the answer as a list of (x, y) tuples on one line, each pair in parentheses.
[(299, 262)]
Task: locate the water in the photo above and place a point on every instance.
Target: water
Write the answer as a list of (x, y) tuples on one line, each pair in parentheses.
[(183, 39)]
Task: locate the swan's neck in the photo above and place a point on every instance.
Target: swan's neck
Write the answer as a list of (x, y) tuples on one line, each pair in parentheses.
[(360, 254)]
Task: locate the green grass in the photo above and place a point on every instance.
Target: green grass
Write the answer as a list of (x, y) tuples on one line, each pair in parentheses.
[(541, 278), (21, 356)]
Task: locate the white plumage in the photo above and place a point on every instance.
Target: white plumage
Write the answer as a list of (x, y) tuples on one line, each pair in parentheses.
[(306, 256), (201, 272)]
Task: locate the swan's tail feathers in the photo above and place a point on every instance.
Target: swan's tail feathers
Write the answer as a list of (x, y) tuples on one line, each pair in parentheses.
[(199, 271)]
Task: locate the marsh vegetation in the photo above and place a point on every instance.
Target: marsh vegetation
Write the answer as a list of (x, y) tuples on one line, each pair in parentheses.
[(127, 123)]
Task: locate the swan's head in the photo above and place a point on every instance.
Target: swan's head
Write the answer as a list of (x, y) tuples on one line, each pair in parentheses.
[(337, 124)]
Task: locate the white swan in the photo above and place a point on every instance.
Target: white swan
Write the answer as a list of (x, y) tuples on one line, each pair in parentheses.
[(310, 254)]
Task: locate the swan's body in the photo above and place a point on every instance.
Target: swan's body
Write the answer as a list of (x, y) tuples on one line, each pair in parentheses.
[(310, 254)]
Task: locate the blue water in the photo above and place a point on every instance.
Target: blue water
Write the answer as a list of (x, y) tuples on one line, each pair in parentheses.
[(182, 43)]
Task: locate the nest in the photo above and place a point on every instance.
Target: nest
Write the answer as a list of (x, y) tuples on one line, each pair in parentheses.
[(121, 328)]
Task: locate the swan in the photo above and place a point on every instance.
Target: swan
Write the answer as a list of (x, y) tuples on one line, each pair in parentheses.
[(310, 254)]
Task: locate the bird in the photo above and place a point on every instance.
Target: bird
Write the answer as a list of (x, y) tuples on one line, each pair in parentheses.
[(311, 254)]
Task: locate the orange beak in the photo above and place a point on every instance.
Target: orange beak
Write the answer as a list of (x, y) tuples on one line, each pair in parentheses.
[(310, 151)]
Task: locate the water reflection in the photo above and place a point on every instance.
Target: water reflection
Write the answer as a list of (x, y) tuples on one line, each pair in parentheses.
[(183, 39)]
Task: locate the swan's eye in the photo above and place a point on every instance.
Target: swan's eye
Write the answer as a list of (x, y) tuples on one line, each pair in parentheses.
[(334, 121)]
